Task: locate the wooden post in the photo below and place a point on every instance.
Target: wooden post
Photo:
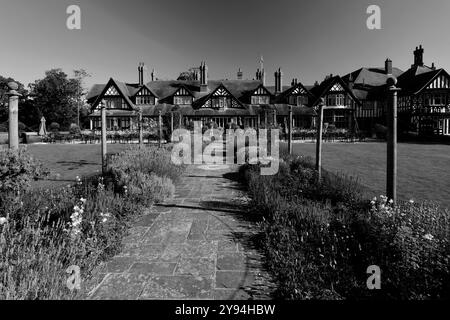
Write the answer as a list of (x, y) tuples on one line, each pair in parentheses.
[(171, 125), (140, 125), (319, 139), (160, 127), (274, 117), (290, 131), (13, 102), (180, 119), (258, 121), (104, 142), (391, 172)]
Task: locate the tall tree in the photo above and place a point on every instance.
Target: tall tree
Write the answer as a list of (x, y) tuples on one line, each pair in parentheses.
[(82, 106), (56, 97)]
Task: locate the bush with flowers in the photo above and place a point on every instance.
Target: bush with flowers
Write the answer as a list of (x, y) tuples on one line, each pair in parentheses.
[(320, 237), (44, 231)]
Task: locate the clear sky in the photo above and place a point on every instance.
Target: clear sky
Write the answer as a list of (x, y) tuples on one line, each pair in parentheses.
[(306, 38)]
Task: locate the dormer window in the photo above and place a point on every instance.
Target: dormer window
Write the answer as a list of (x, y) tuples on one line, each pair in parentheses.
[(114, 103), (260, 96), (220, 102), (182, 100), (298, 100), (145, 97), (182, 97), (336, 100), (145, 100), (260, 99)]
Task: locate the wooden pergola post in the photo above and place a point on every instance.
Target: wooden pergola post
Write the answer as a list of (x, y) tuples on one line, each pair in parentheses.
[(13, 105), (160, 127), (104, 142), (391, 172), (290, 131), (171, 125), (140, 125), (319, 139)]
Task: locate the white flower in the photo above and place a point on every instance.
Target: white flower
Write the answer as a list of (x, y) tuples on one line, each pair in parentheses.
[(428, 236), (3, 220), (83, 200), (104, 220), (411, 201)]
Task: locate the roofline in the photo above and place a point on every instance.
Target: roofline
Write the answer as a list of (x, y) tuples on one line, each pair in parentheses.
[(439, 71), (101, 95)]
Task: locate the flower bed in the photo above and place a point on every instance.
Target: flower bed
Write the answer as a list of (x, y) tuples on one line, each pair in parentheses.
[(43, 232), (320, 237)]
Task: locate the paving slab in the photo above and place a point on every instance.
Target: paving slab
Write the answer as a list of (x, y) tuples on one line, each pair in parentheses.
[(195, 246)]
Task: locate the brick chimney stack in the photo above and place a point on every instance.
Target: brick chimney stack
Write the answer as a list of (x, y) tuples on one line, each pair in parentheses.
[(388, 66), (418, 56), (153, 75), (203, 77), (239, 74), (278, 80), (141, 73)]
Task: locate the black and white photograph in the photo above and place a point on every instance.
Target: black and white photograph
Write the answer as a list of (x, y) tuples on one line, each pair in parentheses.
[(225, 157)]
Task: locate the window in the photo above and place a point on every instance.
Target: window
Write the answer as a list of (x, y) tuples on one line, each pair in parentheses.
[(124, 123), (115, 103), (220, 102), (145, 100), (260, 100), (182, 100), (335, 100)]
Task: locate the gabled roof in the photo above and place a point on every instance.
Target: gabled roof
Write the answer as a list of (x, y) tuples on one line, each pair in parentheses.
[(373, 77), (201, 101), (418, 78), (281, 98), (139, 89), (323, 88), (121, 88)]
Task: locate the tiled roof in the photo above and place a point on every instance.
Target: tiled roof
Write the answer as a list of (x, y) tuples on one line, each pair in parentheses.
[(320, 90), (371, 76), (416, 78)]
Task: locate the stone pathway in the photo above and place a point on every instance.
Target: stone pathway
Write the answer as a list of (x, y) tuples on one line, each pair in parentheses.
[(200, 245)]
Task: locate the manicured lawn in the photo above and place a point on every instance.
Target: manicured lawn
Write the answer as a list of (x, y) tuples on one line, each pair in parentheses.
[(423, 170), (67, 161)]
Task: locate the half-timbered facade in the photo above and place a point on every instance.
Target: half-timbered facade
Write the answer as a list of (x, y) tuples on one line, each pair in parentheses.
[(424, 99), (356, 101), (246, 103), (340, 103)]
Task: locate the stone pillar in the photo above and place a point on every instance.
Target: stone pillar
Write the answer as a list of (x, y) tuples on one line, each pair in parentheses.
[(391, 172), (13, 135), (319, 139)]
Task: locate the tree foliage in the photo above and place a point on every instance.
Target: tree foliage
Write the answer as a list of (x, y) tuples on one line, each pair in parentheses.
[(187, 75), (55, 97)]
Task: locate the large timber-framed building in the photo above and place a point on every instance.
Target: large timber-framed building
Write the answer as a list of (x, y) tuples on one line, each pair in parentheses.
[(356, 101)]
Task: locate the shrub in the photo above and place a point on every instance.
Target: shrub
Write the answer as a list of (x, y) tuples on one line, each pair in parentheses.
[(147, 159), (17, 169), (54, 127), (74, 129), (320, 237), (43, 232)]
